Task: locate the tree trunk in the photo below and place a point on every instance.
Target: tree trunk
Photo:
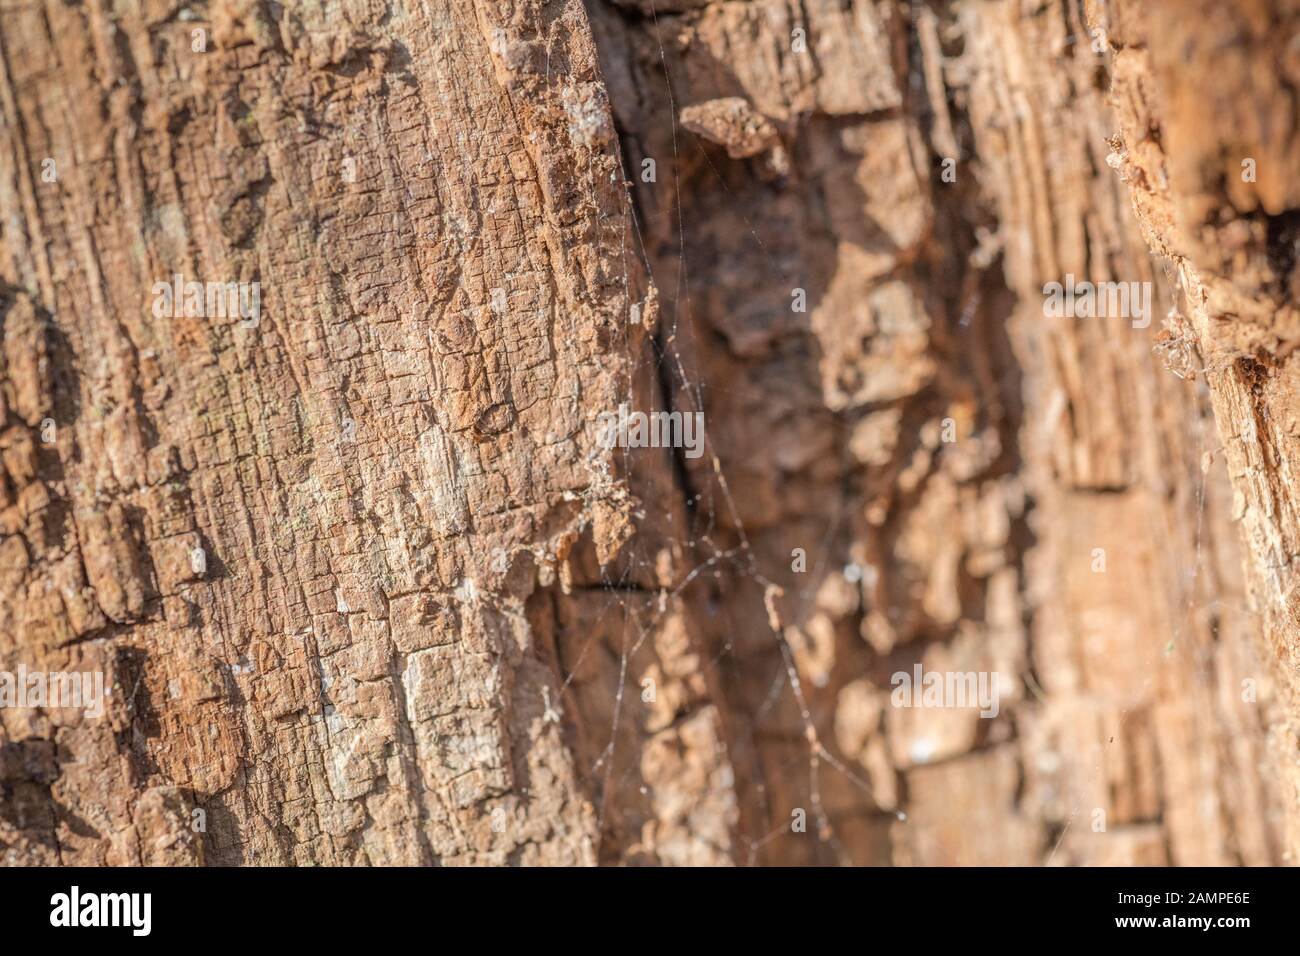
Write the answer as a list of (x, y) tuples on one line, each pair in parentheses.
[(369, 587)]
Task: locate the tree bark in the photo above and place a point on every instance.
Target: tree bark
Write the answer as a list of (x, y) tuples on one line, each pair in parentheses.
[(369, 588)]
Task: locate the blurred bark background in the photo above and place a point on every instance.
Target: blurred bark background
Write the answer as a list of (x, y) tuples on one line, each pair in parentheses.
[(436, 623)]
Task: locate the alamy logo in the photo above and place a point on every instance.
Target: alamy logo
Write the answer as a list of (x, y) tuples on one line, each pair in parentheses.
[(959, 689), (213, 300), (57, 689), (1098, 300), (103, 909), (624, 429)]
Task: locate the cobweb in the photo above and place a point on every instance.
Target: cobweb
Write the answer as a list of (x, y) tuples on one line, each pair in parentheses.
[(710, 558)]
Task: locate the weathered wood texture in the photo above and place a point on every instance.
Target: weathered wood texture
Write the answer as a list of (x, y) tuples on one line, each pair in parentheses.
[(436, 622), (1208, 143)]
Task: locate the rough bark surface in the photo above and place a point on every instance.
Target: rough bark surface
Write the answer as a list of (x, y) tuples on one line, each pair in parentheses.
[(436, 622), (1208, 144)]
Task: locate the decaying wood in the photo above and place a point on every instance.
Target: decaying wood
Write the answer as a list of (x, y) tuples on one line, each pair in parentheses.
[(368, 587)]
